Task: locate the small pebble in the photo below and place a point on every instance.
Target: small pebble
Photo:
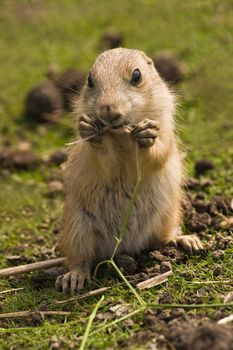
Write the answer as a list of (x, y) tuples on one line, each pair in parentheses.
[(165, 266), (158, 256), (55, 186), (217, 254), (217, 270), (202, 166), (58, 157)]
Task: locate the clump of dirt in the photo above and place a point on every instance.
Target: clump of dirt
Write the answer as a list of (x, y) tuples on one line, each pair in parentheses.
[(198, 184), (201, 214), (221, 204), (111, 39), (127, 264), (70, 83), (202, 166), (167, 254), (199, 222), (157, 255), (211, 336), (165, 266), (58, 157), (35, 318), (174, 329), (43, 100), (222, 241), (169, 67), (18, 159), (217, 270), (46, 101)]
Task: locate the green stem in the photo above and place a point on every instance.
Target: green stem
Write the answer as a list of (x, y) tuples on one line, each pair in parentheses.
[(112, 262), (101, 263), (90, 321), (133, 290), (130, 205)]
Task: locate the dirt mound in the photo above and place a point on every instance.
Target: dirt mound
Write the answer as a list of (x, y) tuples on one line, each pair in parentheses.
[(111, 39), (169, 67), (18, 159), (70, 83), (43, 100), (172, 329)]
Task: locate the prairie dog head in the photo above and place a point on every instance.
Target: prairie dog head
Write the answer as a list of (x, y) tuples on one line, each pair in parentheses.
[(123, 86)]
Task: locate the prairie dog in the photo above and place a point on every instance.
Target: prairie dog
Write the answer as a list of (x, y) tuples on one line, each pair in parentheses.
[(124, 104)]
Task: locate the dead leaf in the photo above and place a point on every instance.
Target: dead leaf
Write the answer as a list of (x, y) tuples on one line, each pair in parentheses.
[(121, 309), (228, 298)]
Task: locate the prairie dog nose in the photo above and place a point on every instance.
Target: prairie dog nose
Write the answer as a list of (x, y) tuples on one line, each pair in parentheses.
[(107, 113)]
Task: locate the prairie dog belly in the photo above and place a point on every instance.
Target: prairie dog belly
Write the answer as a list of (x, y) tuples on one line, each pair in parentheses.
[(109, 210)]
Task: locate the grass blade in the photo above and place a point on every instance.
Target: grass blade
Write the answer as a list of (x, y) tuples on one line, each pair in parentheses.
[(90, 321)]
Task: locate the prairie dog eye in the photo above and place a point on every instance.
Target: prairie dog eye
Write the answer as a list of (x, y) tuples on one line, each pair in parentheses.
[(136, 77), (90, 81)]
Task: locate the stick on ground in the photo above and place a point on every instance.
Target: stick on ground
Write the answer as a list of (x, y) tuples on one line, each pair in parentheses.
[(226, 319), (82, 296), (11, 290), (154, 281), (28, 313), (17, 270)]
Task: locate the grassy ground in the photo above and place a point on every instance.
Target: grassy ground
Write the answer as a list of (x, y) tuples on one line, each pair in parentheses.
[(35, 34)]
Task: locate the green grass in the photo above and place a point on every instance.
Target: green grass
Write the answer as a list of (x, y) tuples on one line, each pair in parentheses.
[(35, 34)]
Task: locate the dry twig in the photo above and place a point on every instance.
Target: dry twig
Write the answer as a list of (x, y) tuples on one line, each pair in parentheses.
[(17, 270), (11, 290), (83, 296), (226, 320), (212, 282), (28, 313), (154, 281), (228, 298)]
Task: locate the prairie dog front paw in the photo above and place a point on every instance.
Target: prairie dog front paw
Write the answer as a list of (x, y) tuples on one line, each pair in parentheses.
[(91, 130), (72, 281), (145, 132), (189, 243)]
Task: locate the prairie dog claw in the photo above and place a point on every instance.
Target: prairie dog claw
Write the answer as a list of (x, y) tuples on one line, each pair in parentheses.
[(145, 132), (90, 129), (189, 243), (71, 282)]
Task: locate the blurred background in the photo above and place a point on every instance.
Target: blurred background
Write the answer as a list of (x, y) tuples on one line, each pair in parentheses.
[(43, 38)]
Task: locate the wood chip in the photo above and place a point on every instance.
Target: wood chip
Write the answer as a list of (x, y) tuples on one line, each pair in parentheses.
[(154, 281), (228, 298), (121, 309), (226, 320)]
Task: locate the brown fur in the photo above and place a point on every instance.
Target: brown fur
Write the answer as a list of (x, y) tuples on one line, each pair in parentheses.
[(100, 175)]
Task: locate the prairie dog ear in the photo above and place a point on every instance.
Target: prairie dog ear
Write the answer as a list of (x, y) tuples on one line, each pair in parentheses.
[(146, 58)]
